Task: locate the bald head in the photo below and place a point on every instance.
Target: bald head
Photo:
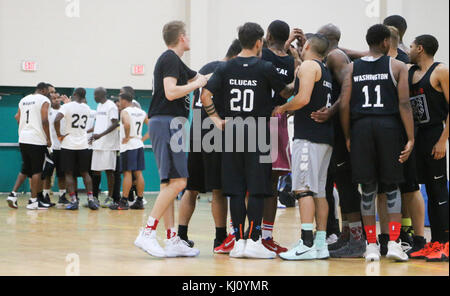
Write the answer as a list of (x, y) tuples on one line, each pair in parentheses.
[(100, 94), (331, 32)]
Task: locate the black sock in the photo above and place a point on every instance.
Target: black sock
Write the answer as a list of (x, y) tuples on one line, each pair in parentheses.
[(307, 238), (255, 214), (140, 198), (238, 213), (182, 232), (131, 194), (221, 233), (96, 179)]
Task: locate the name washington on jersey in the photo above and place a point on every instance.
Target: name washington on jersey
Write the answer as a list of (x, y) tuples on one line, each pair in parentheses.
[(371, 77)]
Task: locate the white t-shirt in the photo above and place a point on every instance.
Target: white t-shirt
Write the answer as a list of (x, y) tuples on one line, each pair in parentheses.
[(90, 123), (76, 116), (105, 113), (137, 118), (56, 145), (30, 124)]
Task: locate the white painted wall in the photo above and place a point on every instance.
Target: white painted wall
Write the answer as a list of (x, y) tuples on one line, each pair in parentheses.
[(99, 46)]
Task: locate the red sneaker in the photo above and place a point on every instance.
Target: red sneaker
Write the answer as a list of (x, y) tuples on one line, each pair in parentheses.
[(446, 251), (437, 253), (273, 246), (423, 253), (226, 246)]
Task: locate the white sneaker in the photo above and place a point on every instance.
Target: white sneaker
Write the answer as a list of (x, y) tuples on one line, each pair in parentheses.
[(37, 205), (300, 252), (372, 253), (257, 250), (396, 252), (280, 205), (332, 239), (144, 201), (322, 253), (146, 241), (12, 201), (238, 249), (176, 247)]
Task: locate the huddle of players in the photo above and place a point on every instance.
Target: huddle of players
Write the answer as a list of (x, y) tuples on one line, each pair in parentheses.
[(373, 138), (80, 142)]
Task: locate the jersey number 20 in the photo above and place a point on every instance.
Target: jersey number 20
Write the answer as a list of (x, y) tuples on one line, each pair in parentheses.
[(248, 96)]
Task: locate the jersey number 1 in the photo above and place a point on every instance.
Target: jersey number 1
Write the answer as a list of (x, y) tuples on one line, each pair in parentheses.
[(366, 94)]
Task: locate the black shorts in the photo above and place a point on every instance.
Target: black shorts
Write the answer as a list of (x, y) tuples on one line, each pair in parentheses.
[(76, 161), (33, 158), (205, 169), (411, 183), (132, 160), (376, 144), (58, 163), (428, 168), (340, 159)]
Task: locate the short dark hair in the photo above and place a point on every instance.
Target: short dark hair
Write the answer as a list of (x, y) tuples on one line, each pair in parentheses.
[(49, 85), (249, 33), (279, 31), (126, 96), (234, 49), (172, 31), (377, 34), (319, 44), (129, 90), (42, 86), (80, 92), (429, 43), (397, 21)]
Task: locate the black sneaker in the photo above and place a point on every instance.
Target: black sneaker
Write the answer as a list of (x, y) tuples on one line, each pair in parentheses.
[(419, 243), (42, 203), (341, 242), (383, 240), (93, 205), (47, 200), (406, 237), (352, 249), (73, 206), (138, 204), (121, 205), (63, 201)]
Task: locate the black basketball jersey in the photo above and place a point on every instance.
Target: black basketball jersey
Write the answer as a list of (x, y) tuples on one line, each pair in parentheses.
[(286, 68), (374, 90), (305, 128), (246, 86), (429, 106)]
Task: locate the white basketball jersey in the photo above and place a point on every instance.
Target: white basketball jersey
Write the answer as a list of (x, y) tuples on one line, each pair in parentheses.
[(56, 145), (30, 124), (76, 116), (137, 118)]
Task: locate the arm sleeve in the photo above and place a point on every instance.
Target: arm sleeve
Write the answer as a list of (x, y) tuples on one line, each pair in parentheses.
[(275, 81)]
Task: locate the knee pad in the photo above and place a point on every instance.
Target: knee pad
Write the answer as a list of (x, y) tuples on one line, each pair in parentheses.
[(394, 199), (298, 196), (369, 193)]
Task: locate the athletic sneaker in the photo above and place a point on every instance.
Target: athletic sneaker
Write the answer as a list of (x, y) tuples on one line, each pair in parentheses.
[(437, 253), (12, 201), (322, 253), (341, 242), (352, 249), (37, 205), (73, 206), (121, 205), (407, 239), (257, 250), (419, 244), (176, 247), (93, 205), (446, 251), (226, 246), (47, 200), (280, 205), (137, 204), (273, 246), (383, 240), (396, 252), (331, 239), (107, 202), (147, 242), (62, 201), (372, 253), (422, 253), (238, 249), (300, 252)]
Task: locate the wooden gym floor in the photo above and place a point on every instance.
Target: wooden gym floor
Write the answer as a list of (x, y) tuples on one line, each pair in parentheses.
[(59, 242)]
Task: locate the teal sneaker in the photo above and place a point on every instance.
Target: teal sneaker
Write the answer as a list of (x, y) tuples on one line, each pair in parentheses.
[(300, 252)]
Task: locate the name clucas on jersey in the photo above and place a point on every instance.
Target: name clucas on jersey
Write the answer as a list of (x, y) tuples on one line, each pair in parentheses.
[(243, 82)]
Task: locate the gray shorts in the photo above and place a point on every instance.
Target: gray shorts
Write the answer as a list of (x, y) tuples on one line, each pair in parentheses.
[(171, 158), (310, 163)]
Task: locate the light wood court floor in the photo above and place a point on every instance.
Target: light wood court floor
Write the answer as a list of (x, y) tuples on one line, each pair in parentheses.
[(59, 242)]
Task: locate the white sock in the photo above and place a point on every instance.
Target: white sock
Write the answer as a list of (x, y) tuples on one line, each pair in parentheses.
[(46, 191)]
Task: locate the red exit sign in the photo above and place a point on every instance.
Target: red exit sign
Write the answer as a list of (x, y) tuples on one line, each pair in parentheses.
[(29, 66), (137, 69)]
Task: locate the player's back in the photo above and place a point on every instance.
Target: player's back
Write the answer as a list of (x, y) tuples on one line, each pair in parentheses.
[(30, 124), (246, 88), (374, 88), (76, 116), (137, 117)]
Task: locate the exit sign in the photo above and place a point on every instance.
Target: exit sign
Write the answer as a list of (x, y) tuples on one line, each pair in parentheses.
[(29, 66), (137, 69)]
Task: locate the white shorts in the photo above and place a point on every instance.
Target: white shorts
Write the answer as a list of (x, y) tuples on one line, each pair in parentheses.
[(103, 160), (310, 163)]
